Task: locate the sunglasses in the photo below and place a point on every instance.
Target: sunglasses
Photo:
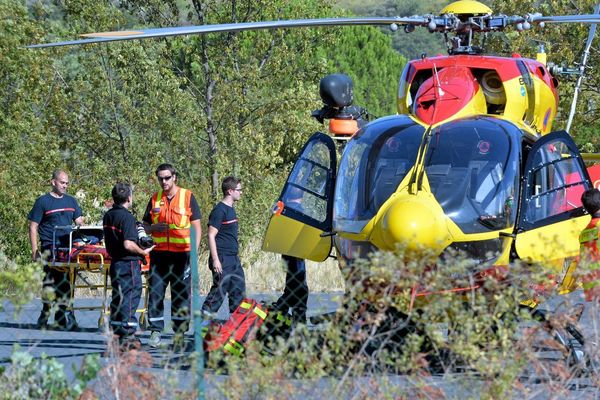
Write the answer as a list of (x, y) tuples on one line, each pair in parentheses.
[(164, 178)]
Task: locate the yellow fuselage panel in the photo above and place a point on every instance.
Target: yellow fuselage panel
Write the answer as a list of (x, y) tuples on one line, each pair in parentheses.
[(551, 244), (294, 238)]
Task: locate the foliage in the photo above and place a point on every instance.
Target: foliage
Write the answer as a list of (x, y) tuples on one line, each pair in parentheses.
[(30, 378), (478, 344), (211, 105), (564, 44), (18, 280), (410, 45), (366, 54)]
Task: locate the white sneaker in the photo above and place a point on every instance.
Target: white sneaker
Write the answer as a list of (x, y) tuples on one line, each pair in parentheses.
[(154, 340)]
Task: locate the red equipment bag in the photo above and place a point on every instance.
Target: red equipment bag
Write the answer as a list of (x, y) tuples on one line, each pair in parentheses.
[(240, 329)]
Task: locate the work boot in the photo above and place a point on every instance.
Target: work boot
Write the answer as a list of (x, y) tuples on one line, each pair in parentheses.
[(42, 321), (65, 320), (155, 339), (299, 316)]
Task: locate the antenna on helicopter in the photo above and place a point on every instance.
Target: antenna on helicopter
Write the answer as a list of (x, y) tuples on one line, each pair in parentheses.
[(584, 59)]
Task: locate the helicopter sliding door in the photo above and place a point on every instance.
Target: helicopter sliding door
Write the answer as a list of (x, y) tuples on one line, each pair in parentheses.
[(551, 215), (303, 211)]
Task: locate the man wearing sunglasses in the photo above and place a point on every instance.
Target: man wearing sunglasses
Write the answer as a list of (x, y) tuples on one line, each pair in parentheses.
[(169, 216)]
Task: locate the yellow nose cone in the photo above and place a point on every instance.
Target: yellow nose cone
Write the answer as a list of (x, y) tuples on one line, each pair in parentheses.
[(416, 223)]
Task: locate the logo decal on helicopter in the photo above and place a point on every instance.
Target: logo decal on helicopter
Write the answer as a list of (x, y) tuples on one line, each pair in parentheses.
[(483, 146)]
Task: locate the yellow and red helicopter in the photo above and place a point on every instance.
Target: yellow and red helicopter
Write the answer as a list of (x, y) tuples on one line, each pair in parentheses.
[(470, 161)]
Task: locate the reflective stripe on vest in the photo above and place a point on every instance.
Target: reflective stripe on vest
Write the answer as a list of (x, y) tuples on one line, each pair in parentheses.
[(261, 314), (176, 214), (234, 347)]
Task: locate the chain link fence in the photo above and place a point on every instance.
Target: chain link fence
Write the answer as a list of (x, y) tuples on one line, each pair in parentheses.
[(399, 329)]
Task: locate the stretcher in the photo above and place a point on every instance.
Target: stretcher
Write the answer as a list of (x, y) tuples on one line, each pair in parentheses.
[(86, 253)]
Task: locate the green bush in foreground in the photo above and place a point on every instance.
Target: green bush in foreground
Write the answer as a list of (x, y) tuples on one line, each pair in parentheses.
[(484, 341), (387, 340), (29, 378)]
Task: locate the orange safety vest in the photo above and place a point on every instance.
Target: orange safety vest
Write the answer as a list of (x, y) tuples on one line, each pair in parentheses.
[(177, 214), (589, 258)]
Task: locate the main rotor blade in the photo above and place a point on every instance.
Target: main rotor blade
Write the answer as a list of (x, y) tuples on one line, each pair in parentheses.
[(586, 53), (238, 27), (582, 19)]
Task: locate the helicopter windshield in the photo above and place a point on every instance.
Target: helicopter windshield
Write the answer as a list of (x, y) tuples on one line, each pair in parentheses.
[(373, 165), (471, 166)]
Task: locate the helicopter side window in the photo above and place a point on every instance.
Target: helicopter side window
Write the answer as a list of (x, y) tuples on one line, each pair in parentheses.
[(373, 165), (556, 183)]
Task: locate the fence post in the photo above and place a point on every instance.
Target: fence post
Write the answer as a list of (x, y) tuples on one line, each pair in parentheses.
[(197, 314)]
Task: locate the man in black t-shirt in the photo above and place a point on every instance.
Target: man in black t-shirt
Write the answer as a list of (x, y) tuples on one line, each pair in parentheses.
[(53, 209), (121, 237), (224, 263)]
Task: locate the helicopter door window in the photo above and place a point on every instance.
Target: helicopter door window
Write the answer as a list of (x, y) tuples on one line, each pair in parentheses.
[(308, 183), (373, 165), (556, 183)]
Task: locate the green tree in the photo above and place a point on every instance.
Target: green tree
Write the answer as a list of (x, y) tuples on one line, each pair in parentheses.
[(366, 55), (564, 44)]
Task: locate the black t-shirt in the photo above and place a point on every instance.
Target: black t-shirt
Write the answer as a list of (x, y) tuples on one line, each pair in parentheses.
[(119, 225), (196, 215), (49, 211), (224, 219)]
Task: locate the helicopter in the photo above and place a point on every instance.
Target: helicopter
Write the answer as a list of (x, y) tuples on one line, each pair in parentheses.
[(469, 163)]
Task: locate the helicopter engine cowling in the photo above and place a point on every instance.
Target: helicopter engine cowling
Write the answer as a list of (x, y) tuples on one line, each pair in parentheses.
[(449, 92)]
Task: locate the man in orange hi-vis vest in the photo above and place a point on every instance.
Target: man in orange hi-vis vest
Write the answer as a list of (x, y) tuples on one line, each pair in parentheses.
[(169, 216), (589, 254)]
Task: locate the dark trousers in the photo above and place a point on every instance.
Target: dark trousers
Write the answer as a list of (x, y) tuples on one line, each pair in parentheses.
[(58, 283), (126, 281), (174, 268), (295, 294), (231, 281)]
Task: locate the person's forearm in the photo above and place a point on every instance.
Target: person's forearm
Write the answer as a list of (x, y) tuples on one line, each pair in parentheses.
[(196, 226), (133, 248), (33, 238), (212, 247)]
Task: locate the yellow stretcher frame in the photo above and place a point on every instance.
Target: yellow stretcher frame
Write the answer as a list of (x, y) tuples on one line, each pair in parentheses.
[(93, 263)]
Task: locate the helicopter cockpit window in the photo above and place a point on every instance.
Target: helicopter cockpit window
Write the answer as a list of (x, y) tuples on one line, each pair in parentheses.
[(306, 191), (471, 166), (556, 183), (372, 167)]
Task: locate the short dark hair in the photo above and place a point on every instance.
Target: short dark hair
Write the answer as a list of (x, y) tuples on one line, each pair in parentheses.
[(121, 192), (229, 183), (591, 200), (166, 167), (56, 173)]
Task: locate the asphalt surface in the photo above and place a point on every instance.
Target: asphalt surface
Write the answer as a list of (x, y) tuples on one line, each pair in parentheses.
[(17, 328)]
